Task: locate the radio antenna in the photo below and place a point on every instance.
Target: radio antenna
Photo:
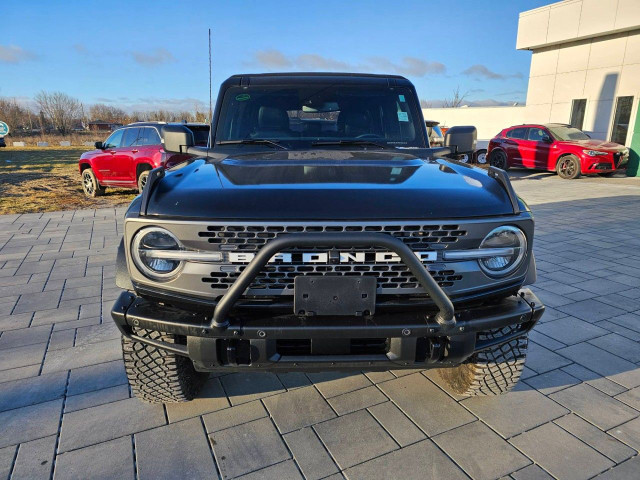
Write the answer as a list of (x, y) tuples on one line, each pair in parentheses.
[(210, 108)]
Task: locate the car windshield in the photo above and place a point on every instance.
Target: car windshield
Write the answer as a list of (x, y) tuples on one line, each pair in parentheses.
[(307, 116), (565, 133)]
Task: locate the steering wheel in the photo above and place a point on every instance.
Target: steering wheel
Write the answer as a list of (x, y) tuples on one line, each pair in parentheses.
[(368, 135)]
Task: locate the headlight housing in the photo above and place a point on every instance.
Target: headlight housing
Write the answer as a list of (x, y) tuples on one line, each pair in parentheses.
[(507, 237), (147, 250), (594, 153)]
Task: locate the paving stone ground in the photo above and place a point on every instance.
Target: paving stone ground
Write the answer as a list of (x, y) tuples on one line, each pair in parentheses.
[(66, 410)]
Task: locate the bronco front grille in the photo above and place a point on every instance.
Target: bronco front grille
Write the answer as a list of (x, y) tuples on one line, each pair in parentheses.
[(251, 238), (281, 277), (278, 278)]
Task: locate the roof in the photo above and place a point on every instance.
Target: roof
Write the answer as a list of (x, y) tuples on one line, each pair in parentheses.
[(538, 125), (157, 124), (285, 78)]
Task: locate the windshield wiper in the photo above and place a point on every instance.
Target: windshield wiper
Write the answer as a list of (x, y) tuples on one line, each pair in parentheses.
[(252, 141), (349, 142)]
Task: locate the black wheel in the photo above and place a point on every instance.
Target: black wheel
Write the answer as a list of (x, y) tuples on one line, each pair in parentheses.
[(90, 184), (568, 167), (142, 180), (480, 156), (158, 376), (490, 372), (498, 159)]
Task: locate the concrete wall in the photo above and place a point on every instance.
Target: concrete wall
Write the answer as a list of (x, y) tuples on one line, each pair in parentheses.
[(572, 20), (598, 69), (488, 120)]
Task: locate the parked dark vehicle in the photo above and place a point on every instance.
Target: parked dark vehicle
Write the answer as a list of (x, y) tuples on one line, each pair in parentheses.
[(2, 142), (321, 233), (556, 147), (129, 154)]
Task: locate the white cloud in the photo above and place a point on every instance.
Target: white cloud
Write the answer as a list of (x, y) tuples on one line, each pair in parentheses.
[(479, 70), (14, 54), (154, 57), (411, 66)]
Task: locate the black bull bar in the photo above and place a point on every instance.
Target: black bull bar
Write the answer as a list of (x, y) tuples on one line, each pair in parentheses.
[(521, 311), (445, 316)]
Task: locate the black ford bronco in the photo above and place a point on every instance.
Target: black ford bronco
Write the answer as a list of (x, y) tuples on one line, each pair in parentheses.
[(319, 231)]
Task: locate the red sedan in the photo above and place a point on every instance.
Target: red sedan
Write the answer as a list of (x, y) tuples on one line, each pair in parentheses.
[(557, 148), (129, 154)]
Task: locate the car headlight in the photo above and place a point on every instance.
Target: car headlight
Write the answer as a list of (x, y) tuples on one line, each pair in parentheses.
[(594, 153), (505, 237), (149, 251)]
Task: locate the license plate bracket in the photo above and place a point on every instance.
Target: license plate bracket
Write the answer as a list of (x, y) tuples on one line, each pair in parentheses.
[(334, 295)]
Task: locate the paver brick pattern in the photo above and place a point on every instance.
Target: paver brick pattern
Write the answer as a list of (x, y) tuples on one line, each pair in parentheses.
[(66, 410)]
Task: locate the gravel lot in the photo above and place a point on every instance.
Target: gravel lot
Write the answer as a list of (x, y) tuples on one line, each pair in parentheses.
[(66, 411)]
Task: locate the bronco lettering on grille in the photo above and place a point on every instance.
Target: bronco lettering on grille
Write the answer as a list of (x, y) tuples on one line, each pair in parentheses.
[(325, 257)]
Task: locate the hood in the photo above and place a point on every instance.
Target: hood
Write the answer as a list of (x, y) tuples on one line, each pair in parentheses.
[(327, 185), (91, 153), (595, 144)]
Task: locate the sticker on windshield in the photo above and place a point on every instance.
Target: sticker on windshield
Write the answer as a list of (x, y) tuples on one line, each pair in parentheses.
[(403, 117), (243, 97), (401, 98)]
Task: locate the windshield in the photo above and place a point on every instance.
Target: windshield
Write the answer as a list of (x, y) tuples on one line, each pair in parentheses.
[(561, 132), (301, 116)]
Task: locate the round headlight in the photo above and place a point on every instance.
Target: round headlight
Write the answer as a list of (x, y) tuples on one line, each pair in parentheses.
[(506, 237), (147, 248)]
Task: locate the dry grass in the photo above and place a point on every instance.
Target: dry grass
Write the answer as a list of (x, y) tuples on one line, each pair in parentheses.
[(54, 140), (47, 179)]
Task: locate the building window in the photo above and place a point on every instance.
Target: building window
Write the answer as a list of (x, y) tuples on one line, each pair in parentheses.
[(577, 113), (621, 120)]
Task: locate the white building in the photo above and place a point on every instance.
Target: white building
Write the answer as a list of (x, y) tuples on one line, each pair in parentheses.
[(585, 70)]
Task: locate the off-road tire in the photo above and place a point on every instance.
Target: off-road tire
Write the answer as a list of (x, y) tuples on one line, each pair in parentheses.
[(568, 167), (90, 185), (498, 159), (158, 376), (490, 372)]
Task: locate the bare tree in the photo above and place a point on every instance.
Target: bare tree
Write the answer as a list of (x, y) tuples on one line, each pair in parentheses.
[(107, 113), (60, 109), (14, 114), (425, 104), (456, 100), (199, 114)]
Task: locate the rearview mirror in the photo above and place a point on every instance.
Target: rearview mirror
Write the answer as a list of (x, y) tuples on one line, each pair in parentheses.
[(99, 146), (461, 139), (177, 138)]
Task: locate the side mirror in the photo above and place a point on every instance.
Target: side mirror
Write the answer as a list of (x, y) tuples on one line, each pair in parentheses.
[(461, 139), (99, 146), (547, 139), (177, 138)]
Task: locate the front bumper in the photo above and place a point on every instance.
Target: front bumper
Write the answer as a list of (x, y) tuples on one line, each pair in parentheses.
[(607, 164), (408, 339)]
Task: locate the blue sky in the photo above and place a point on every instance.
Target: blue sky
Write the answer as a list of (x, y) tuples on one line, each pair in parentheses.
[(144, 54)]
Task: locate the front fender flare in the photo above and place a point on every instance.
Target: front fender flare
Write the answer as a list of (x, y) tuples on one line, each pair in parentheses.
[(123, 279), (532, 274)]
